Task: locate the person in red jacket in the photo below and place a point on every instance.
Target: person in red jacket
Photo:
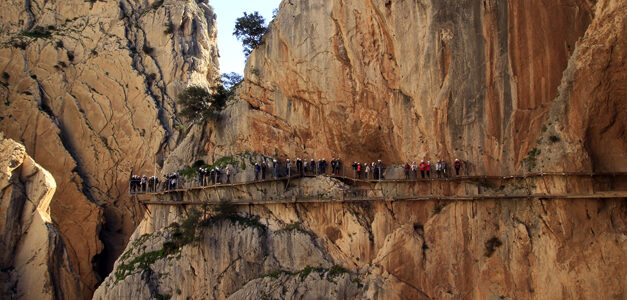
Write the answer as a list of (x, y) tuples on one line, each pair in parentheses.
[(458, 165), (423, 167), (406, 171)]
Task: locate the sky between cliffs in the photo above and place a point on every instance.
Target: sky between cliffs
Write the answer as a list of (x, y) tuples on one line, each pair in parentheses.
[(231, 52)]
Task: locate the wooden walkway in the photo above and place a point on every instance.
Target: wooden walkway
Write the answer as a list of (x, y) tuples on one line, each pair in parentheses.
[(347, 197), (600, 195), (376, 181)]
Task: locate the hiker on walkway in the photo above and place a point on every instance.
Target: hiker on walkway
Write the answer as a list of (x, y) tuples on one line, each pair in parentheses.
[(150, 184), (257, 171), (367, 170), (428, 168), (131, 184), (207, 177), (423, 168), (174, 180), (333, 166), (354, 165), (144, 183), (264, 167), (275, 169), (153, 183), (444, 169), (414, 170), (380, 167), (299, 166), (407, 168), (201, 176), (288, 165), (359, 170), (312, 165), (438, 168), (458, 165), (218, 175)]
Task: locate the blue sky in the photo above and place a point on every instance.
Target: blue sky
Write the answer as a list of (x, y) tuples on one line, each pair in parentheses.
[(231, 52)]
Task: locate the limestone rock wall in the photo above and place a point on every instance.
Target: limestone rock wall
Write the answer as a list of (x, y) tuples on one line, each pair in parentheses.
[(586, 126), (508, 249), (403, 80), (34, 261), (89, 88)]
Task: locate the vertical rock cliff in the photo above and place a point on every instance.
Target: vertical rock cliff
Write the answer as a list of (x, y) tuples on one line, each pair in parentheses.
[(34, 262), (89, 88), (406, 80), (508, 86)]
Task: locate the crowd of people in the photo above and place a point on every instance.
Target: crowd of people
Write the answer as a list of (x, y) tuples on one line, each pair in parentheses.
[(301, 167), (143, 184), (213, 176), (441, 169)]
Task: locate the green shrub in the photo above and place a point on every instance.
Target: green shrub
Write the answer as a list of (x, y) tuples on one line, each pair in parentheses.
[(197, 104), (188, 172), (296, 226)]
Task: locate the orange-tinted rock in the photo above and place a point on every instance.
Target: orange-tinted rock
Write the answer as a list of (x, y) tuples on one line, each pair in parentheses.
[(90, 91), (34, 261), (405, 80), (586, 125)]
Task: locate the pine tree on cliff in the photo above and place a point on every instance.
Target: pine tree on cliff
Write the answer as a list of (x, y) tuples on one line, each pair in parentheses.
[(250, 29)]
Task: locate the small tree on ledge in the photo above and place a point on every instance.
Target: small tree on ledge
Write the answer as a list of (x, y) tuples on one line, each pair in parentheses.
[(250, 29), (197, 104)]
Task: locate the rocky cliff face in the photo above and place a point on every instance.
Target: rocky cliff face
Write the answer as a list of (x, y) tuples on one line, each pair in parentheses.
[(403, 80), (507, 249), (34, 261), (506, 85), (88, 87)]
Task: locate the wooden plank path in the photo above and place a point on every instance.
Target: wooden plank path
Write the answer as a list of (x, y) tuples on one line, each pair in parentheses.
[(347, 197), (375, 181), (600, 195)]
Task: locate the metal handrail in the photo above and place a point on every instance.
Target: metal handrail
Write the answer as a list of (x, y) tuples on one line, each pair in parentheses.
[(185, 185)]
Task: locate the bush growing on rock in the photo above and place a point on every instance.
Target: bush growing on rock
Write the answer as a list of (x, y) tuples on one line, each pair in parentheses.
[(197, 104)]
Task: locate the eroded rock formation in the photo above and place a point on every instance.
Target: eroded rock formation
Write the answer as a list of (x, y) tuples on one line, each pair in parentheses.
[(34, 262), (403, 80), (508, 249), (88, 87)]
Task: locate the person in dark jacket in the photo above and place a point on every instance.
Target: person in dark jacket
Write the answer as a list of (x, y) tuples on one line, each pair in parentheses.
[(264, 166), (257, 171)]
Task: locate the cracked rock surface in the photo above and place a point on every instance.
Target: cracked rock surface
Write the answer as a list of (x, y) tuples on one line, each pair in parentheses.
[(407, 80), (516, 249), (89, 88), (34, 262)]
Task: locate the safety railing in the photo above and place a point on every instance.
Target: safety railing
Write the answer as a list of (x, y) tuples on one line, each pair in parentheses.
[(182, 183)]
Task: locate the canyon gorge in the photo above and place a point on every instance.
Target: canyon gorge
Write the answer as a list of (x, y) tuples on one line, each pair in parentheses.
[(89, 94)]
